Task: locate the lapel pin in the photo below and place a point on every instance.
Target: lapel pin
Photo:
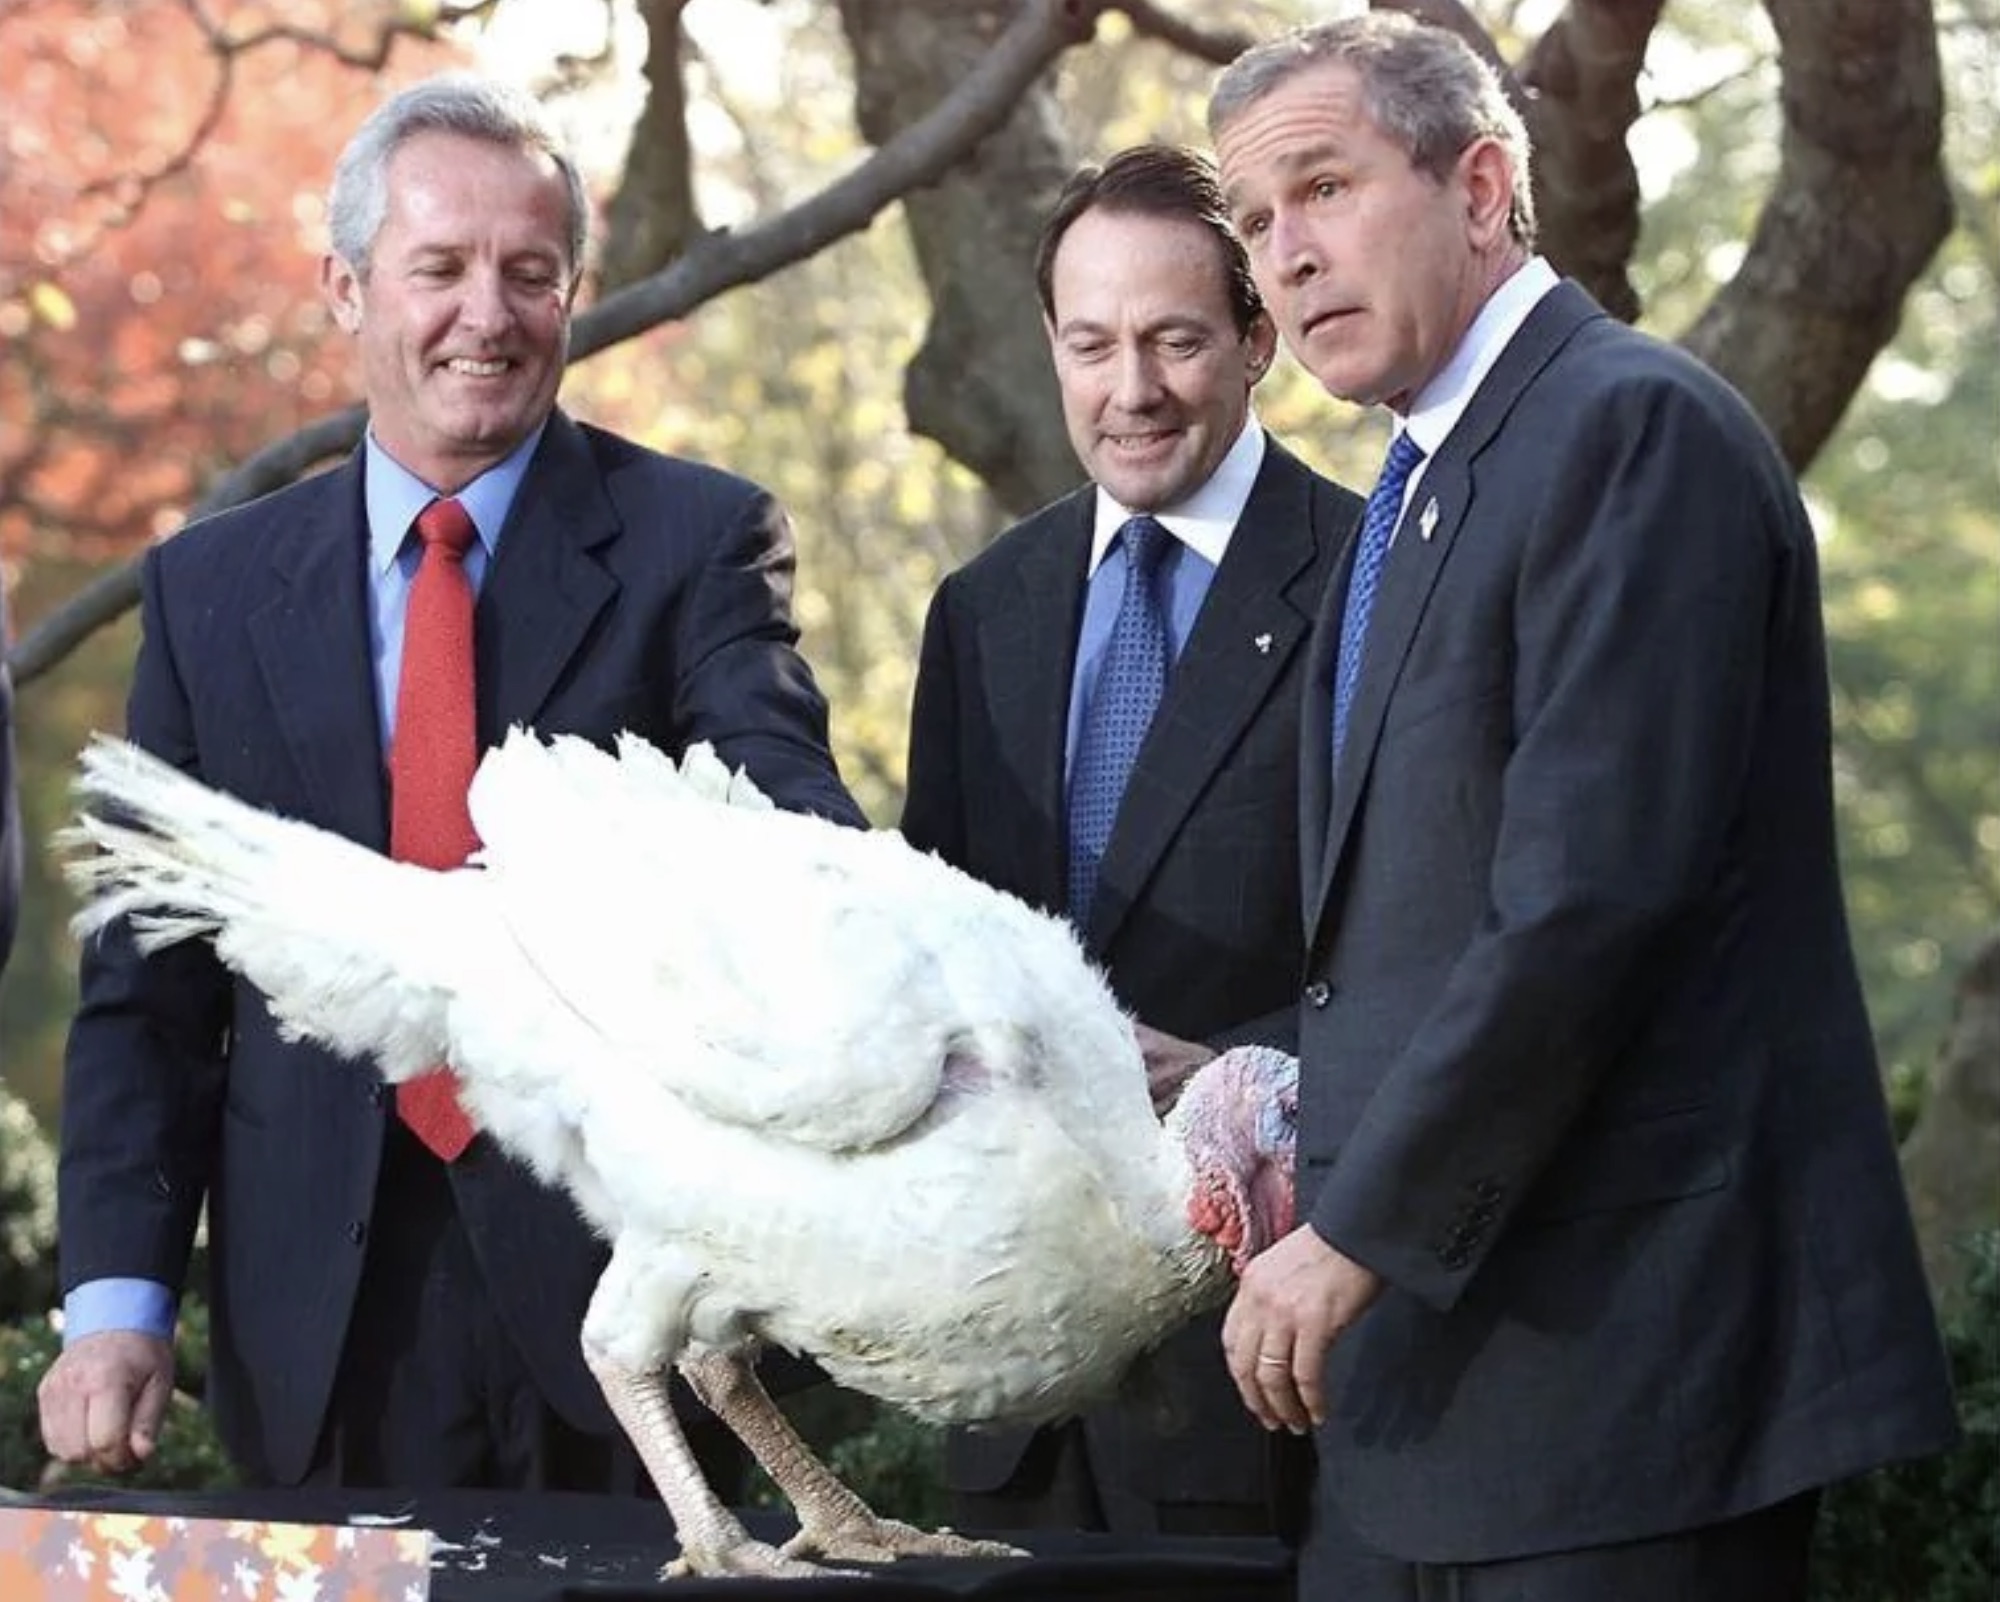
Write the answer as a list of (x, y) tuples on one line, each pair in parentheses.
[(1263, 644), (1427, 524)]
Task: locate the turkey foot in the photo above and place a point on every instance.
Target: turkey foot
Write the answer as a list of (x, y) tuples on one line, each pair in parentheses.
[(834, 1523), (713, 1541)]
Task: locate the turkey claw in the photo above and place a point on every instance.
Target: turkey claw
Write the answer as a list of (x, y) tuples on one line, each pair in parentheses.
[(744, 1558), (885, 1540)]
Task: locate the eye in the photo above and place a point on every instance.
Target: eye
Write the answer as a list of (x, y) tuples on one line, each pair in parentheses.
[(1326, 188), (1253, 226)]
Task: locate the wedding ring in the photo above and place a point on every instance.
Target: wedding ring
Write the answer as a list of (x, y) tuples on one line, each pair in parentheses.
[(1273, 1362)]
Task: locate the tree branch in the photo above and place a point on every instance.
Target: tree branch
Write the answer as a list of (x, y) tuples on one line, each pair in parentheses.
[(1217, 45)]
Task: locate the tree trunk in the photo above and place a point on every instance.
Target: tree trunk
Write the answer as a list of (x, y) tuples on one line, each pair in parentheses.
[(1859, 207), (981, 384), (1951, 1160), (652, 217)]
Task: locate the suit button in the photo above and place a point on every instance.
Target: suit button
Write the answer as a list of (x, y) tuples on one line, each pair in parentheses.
[(1318, 993), (357, 1231), (377, 1093)]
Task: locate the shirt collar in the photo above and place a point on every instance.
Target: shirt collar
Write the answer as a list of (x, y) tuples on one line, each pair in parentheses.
[(1204, 521), (394, 495), (1440, 403)]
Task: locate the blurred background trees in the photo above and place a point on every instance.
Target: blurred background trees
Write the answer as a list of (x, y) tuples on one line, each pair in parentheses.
[(812, 275)]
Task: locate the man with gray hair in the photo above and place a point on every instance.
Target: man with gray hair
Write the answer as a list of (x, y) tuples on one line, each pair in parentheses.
[(1604, 1266), (394, 1301)]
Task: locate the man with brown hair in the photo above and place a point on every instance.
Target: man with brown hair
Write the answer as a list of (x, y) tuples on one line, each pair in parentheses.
[(1106, 724)]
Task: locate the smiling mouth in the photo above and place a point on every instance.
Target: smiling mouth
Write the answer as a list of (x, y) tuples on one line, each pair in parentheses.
[(471, 367), (1151, 440)]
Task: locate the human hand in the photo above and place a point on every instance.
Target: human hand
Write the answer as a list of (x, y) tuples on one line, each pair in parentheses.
[(1293, 1301), (103, 1398), (1170, 1063)]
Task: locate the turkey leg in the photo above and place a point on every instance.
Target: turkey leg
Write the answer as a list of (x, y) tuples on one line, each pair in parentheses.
[(713, 1540), (834, 1523)]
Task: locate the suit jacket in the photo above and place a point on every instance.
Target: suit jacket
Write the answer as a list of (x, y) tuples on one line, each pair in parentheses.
[(629, 591), (1586, 1072), (1195, 919)]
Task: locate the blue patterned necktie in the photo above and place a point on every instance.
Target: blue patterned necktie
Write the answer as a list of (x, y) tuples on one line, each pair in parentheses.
[(1130, 682), (1378, 528)]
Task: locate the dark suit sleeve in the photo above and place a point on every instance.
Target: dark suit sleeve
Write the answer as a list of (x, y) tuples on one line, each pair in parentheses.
[(1657, 537), (933, 803), (742, 684), (10, 811), (144, 1076)]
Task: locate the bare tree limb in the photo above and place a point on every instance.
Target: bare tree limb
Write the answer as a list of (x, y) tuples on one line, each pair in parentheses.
[(718, 262), (1218, 45)]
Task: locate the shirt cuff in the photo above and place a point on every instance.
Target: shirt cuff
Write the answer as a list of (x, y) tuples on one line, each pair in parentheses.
[(101, 1305)]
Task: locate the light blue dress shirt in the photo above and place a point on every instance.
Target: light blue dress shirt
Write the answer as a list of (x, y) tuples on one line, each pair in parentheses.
[(1202, 526), (393, 496)]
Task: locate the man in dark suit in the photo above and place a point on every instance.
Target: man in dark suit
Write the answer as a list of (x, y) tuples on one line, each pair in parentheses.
[(384, 1314), (1158, 339), (1605, 1266)]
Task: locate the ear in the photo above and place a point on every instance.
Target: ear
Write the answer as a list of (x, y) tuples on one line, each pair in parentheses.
[(340, 286), (1487, 179), (1262, 340)]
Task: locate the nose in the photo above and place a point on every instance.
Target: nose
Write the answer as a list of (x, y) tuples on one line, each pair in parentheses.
[(483, 302), (1137, 385), (1293, 251)]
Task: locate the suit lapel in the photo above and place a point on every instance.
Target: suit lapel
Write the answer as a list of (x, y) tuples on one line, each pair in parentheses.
[(1316, 730), (545, 589), (1437, 512), (310, 636), (1030, 647), (1255, 616)]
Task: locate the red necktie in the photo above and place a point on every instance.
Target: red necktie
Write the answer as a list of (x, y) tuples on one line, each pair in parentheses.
[(431, 759)]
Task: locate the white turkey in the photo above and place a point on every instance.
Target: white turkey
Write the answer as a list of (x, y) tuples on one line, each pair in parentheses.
[(814, 1088)]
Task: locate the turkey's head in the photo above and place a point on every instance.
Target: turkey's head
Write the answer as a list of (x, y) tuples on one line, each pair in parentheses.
[(1237, 1121)]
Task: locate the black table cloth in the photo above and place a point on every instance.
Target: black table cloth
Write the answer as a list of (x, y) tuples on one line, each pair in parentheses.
[(495, 1546)]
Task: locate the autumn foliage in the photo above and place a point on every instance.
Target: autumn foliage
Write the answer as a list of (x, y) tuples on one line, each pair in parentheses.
[(161, 176)]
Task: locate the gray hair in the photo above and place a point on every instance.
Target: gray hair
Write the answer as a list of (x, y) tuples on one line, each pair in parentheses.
[(1423, 87), (457, 103)]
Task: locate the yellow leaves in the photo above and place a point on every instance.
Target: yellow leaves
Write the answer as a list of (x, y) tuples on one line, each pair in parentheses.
[(52, 306)]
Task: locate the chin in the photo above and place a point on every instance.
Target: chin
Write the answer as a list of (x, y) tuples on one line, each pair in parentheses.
[(1148, 494)]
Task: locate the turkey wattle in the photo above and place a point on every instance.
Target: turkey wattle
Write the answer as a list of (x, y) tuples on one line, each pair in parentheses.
[(813, 1087)]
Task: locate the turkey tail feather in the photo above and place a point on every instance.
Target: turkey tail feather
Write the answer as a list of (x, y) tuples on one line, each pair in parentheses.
[(324, 927)]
